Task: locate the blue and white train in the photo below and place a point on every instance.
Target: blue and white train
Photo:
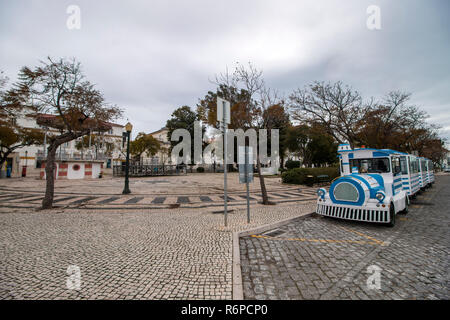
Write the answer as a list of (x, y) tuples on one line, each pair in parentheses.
[(409, 165), (375, 184), (426, 173)]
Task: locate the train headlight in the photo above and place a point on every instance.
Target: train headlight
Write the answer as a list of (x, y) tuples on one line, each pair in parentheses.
[(380, 195), (321, 193)]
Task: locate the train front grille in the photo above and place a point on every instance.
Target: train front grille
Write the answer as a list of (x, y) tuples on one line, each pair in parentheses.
[(381, 216)]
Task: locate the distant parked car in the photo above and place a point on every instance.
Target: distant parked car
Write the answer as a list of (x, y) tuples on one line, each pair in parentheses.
[(447, 169)]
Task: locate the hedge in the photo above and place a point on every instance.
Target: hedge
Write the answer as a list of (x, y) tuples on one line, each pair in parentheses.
[(298, 175), (291, 164)]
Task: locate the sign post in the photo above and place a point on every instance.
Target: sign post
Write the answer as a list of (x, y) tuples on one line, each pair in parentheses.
[(223, 116), (246, 172)]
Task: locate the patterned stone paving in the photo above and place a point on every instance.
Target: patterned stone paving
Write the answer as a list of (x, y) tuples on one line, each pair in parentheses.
[(26, 200), (124, 254)]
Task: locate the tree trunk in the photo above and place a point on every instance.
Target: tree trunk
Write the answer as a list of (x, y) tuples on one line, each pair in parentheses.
[(5, 157), (47, 202), (3, 160), (265, 198)]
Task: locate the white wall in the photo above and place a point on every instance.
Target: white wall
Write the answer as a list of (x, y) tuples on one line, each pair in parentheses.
[(95, 170), (73, 174)]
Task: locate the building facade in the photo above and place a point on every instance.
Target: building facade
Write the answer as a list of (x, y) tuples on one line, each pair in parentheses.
[(105, 147), (163, 156)]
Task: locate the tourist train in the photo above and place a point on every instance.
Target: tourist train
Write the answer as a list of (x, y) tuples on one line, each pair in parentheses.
[(375, 184)]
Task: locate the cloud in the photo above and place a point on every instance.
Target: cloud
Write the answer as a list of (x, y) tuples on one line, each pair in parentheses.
[(153, 56)]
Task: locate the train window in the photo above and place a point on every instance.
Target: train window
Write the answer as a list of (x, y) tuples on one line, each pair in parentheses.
[(414, 167), (423, 165), (377, 165), (403, 165), (396, 165)]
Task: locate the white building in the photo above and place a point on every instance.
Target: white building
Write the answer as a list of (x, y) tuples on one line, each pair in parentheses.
[(106, 146), (163, 156)]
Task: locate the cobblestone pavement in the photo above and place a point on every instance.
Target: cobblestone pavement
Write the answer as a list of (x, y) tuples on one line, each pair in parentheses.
[(191, 191), (323, 258), (124, 254)]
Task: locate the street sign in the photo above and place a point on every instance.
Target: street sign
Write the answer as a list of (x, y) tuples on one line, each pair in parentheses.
[(245, 177), (245, 160), (223, 111)]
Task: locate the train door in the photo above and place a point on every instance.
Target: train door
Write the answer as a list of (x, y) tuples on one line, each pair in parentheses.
[(414, 172), (405, 174)]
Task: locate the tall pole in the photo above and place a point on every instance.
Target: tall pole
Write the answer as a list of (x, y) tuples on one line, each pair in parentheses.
[(225, 164), (45, 143), (126, 189), (247, 182)]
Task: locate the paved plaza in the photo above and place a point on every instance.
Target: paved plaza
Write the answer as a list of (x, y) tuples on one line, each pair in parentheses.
[(133, 250), (322, 258), (137, 247), (200, 191)]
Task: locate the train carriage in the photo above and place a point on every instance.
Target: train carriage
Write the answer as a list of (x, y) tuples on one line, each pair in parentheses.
[(423, 173), (430, 172), (410, 174), (369, 189)]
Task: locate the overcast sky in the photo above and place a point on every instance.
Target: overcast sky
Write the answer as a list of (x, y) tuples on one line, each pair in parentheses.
[(151, 57)]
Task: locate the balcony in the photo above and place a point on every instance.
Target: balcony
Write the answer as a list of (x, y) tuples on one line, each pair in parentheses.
[(74, 156)]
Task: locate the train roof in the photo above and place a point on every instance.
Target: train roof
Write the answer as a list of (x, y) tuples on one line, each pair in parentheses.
[(387, 151), (345, 147)]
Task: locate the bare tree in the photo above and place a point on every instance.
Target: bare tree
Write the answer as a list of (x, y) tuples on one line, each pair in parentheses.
[(253, 104), (13, 135), (335, 106), (66, 101), (390, 122)]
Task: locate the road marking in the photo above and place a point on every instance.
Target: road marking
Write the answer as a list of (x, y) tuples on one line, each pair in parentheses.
[(362, 235), (317, 240)]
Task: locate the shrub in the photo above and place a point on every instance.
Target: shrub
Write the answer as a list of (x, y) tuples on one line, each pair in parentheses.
[(298, 175), (282, 170), (291, 164), (200, 169)]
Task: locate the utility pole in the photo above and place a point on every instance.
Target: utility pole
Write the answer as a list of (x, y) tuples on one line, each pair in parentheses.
[(225, 167), (126, 189), (223, 116), (247, 182)]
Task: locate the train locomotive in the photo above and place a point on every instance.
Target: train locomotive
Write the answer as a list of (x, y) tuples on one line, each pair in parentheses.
[(375, 185)]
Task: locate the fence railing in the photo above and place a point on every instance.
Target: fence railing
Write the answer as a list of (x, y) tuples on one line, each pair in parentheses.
[(73, 156), (149, 170), (146, 170)]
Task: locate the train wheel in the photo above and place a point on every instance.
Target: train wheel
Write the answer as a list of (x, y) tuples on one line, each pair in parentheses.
[(405, 211), (391, 215)]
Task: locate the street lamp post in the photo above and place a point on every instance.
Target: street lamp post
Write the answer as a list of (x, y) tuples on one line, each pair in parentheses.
[(126, 189)]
